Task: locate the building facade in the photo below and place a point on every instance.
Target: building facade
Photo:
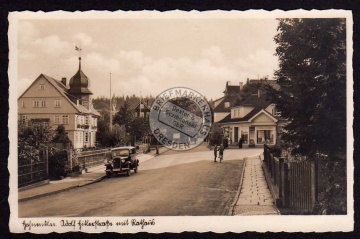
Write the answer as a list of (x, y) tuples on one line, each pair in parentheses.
[(254, 120), (54, 102), (222, 106), (142, 110)]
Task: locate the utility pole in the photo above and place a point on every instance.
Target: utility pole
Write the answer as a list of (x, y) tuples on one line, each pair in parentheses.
[(110, 126)]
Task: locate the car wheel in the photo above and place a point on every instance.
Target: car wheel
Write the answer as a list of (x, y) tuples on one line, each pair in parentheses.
[(108, 174), (128, 172), (136, 169)]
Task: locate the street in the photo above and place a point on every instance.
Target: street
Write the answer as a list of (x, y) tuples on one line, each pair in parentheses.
[(172, 184)]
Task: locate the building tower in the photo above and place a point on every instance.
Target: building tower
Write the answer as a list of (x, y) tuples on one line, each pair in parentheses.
[(79, 87)]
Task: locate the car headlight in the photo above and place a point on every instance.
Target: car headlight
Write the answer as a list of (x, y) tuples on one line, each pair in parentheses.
[(123, 161)]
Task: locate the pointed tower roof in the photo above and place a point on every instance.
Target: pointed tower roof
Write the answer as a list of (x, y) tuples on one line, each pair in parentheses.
[(79, 83)]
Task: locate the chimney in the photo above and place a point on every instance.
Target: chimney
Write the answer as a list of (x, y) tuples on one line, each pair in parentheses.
[(63, 81), (241, 85)]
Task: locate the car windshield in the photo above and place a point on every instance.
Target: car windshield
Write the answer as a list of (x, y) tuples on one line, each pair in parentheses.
[(120, 152)]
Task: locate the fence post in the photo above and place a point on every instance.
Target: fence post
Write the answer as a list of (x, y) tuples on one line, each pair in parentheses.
[(265, 155), (47, 162), (280, 177), (313, 183), (286, 185)]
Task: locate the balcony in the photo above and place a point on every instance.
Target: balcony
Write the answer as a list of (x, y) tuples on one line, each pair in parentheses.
[(82, 126)]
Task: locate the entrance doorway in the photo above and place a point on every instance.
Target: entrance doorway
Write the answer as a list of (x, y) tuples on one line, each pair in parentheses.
[(236, 134)]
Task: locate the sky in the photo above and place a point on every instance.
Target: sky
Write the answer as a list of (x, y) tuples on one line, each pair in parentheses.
[(148, 55)]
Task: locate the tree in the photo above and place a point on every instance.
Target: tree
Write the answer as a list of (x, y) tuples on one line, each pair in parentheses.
[(139, 127), (34, 134), (124, 116), (119, 134), (312, 80), (61, 135)]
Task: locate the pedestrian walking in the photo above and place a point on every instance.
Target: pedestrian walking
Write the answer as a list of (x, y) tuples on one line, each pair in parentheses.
[(240, 143), (221, 152), (215, 152)]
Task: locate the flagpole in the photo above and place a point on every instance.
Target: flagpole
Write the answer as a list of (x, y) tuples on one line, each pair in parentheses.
[(110, 127)]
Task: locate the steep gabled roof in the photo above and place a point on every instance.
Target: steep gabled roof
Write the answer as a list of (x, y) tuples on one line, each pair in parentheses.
[(247, 118), (232, 89), (272, 83), (228, 118), (62, 89), (255, 101), (221, 106), (260, 112), (143, 103)]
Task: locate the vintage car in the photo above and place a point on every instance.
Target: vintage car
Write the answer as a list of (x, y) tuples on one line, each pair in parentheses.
[(122, 160)]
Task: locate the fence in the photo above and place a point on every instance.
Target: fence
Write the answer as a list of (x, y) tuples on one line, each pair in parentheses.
[(292, 184), (33, 169), (89, 159)]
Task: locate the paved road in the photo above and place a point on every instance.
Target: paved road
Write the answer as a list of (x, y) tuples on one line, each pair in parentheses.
[(187, 183)]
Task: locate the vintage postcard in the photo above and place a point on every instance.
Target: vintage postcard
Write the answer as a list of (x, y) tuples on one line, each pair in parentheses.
[(147, 121)]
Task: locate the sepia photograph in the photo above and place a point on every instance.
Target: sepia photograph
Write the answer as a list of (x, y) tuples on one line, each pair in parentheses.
[(146, 121)]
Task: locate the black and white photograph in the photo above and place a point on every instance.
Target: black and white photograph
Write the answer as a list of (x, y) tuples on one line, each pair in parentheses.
[(146, 121)]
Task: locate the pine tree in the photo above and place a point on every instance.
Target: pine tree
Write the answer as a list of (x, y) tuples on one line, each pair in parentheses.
[(312, 79)]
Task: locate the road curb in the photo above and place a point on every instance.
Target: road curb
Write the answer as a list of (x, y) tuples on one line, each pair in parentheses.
[(61, 190), (93, 181), (231, 212), (47, 194)]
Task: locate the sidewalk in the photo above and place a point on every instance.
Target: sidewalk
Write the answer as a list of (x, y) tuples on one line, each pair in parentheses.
[(254, 197), (93, 175)]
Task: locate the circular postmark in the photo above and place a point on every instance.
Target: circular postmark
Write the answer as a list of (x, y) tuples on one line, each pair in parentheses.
[(180, 118)]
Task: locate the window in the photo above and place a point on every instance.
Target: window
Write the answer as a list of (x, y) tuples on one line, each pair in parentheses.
[(40, 122), (56, 119), (227, 104), (36, 104), (42, 86), (57, 103), (86, 120), (78, 120), (264, 136), (86, 137), (23, 119), (65, 119), (76, 137), (276, 112), (39, 103), (23, 103)]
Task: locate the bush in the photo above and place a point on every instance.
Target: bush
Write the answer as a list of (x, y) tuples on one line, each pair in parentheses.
[(58, 164), (332, 187), (275, 150)]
